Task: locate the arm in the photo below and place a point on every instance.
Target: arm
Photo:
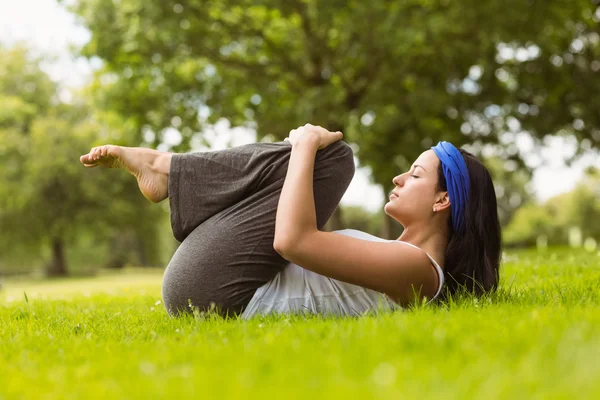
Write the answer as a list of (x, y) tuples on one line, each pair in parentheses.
[(392, 268), (296, 215)]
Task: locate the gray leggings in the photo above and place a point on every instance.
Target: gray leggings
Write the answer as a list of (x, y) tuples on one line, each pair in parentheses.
[(223, 207)]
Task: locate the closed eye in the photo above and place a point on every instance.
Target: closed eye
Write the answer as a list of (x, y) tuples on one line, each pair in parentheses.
[(414, 176)]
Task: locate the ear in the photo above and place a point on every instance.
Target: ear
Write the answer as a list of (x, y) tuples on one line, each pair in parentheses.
[(442, 202)]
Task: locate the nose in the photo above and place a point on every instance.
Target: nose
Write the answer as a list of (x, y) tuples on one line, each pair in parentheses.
[(398, 180)]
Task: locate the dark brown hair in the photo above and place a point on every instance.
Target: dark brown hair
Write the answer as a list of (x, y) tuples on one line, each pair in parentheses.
[(473, 258)]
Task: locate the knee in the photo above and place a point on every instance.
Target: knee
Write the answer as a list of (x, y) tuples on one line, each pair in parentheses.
[(174, 299), (343, 149), (179, 299), (195, 281), (344, 158), (182, 286)]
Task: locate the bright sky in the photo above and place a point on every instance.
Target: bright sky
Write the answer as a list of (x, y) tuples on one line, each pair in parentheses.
[(49, 29)]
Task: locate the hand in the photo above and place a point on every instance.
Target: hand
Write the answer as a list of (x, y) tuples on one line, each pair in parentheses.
[(319, 135)]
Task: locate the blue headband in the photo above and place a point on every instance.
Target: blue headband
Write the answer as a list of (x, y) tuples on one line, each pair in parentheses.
[(457, 180)]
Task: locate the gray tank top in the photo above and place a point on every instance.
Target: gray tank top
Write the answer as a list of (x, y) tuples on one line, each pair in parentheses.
[(298, 290)]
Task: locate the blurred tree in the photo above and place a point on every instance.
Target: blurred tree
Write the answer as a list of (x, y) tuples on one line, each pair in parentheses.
[(554, 219), (529, 223), (356, 217), (46, 196), (511, 184), (583, 209), (25, 94), (396, 77)]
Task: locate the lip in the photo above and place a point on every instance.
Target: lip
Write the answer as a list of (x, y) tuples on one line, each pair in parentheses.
[(393, 196)]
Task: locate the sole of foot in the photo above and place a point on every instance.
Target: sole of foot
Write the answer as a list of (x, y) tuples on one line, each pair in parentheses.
[(139, 162)]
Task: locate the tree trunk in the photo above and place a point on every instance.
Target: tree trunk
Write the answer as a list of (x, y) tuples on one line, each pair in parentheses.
[(119, 248), (387, 228), (148, 246), (142, 253), (58, 264)]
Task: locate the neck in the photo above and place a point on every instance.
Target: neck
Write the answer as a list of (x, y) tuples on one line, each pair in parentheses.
[(428, 237)]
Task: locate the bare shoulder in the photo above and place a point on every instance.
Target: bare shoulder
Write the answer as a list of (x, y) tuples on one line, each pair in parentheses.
[(399, 270)]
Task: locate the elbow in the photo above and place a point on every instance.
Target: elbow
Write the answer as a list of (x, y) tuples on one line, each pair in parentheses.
[(290, 244), (278, 246), (283, 245)]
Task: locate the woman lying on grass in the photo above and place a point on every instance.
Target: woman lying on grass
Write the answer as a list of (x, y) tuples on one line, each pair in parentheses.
[(249, 220)]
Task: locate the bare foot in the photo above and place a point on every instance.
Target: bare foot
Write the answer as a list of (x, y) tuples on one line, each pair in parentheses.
[(150, 167)]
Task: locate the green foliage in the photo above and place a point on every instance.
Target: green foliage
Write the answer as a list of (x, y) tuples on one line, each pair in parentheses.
[(396, 77), (356, 217), (530, 222), (25, 90), (511, 186), (554, 219), (536, 338), (586, 205), (46, 195)]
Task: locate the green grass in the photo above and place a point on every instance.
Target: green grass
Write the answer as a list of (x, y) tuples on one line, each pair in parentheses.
[(109, 337)]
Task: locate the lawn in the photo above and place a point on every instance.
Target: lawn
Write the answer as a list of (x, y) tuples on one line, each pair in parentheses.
[(109, 337)]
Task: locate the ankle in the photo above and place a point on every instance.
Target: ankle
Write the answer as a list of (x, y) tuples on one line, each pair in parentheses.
[(162, 163)]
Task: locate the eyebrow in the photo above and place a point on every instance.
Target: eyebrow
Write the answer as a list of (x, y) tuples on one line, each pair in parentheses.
[(419, 166)]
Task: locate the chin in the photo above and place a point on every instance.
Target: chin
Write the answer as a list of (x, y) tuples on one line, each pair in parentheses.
[(385, 207), (392, 209), (389, 211)]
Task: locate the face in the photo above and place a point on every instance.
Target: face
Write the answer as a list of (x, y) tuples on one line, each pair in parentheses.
[(414, 195)]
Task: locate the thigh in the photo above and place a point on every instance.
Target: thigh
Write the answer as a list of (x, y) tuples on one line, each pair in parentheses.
[(204, 184), (222, 262), (230, 255)]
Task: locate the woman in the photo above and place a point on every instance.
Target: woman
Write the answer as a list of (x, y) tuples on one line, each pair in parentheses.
[(248, 220)]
